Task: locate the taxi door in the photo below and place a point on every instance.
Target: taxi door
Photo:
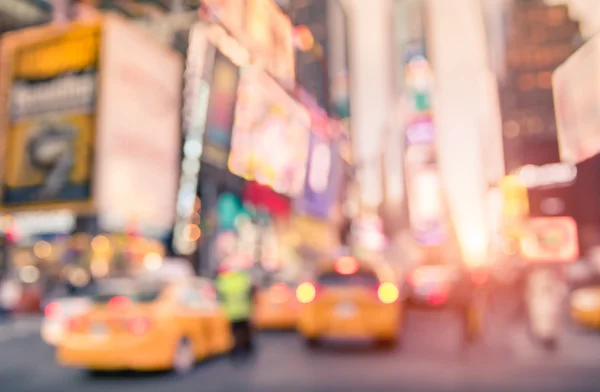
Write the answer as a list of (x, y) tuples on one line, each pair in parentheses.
[(193, 319), (217, 326)]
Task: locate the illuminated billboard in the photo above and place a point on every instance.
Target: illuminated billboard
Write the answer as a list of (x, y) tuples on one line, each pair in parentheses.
[(49, 127), (551, 240), (221, 110), (270, 135), (138, 143), (262, 28), (323, 179), (425, 198)]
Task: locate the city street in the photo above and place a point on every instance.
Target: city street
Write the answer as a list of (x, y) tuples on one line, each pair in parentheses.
[(430, 359)]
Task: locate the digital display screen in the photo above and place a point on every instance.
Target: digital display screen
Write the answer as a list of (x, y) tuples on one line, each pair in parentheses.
[(271, 135)]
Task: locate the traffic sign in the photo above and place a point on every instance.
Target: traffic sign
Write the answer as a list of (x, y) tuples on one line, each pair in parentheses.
[(550, 240)]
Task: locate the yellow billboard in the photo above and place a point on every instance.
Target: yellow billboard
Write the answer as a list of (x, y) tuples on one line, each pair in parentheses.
[(515, 198), (50, 79)]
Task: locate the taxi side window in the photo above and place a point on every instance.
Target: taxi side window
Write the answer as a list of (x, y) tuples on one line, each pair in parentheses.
[(207, 293), (190, 297)]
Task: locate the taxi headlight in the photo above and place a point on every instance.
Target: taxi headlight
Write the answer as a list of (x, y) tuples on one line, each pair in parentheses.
[(585, 301)]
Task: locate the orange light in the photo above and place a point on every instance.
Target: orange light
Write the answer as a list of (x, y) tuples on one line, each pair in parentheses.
[(192, 232), (346, 266), (306, 293), (304, 38), (388, 292)]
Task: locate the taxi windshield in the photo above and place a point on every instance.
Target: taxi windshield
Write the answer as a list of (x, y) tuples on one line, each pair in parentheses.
[(134, 291), (360, 278)]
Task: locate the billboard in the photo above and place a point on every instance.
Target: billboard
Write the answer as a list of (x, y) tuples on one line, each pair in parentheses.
[(323, 179), (264, 30), (270, 135), (221, 110), (551, 240), (50, 78), (576, 87), (138, 143), (423, 183)]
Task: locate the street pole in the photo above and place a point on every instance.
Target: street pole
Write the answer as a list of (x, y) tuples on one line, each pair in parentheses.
[(319, 54)]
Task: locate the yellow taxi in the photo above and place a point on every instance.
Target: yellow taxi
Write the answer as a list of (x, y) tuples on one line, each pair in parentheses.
[(146, 326), (585, 306), (276, 307), (349, 299)]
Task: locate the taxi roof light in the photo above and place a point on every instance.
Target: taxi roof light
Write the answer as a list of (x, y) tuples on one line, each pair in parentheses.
[(346, 266)]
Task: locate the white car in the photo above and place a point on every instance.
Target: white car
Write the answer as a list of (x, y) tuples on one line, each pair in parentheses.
[(59, 309)]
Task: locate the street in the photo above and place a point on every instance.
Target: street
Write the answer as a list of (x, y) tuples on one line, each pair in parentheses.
[(430, 359)]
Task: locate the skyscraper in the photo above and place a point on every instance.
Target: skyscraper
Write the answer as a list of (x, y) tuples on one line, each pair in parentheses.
[(540, 38), (323, 72)]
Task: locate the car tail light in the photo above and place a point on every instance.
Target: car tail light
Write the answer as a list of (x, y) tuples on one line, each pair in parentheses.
[(388, 293), (139, 325), (279, 292), (53, 310), (118, 303), (437, 297), (306, 292)]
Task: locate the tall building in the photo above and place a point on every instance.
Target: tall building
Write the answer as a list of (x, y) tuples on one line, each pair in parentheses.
[(540, 38), (323, 72)]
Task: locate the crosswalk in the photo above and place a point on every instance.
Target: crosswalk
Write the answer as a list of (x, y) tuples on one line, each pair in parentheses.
[(20, 327)]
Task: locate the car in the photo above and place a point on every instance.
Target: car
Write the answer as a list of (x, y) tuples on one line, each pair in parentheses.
[(276, 307), (349, 299), (61, 306), (446, 286), (147, 326), (584, 306)]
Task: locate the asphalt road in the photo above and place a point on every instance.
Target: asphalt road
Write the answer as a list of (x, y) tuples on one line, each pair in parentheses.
[(430, 359)]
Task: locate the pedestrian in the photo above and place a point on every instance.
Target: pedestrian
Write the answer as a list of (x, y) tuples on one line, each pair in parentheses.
[(236, 294), (10, 295)]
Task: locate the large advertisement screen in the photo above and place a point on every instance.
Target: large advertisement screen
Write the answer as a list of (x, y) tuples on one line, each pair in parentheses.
[(322, 180), (264, 30), (48, 129), (425, 203), (221, 110), (271, 135), (138, 143)]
